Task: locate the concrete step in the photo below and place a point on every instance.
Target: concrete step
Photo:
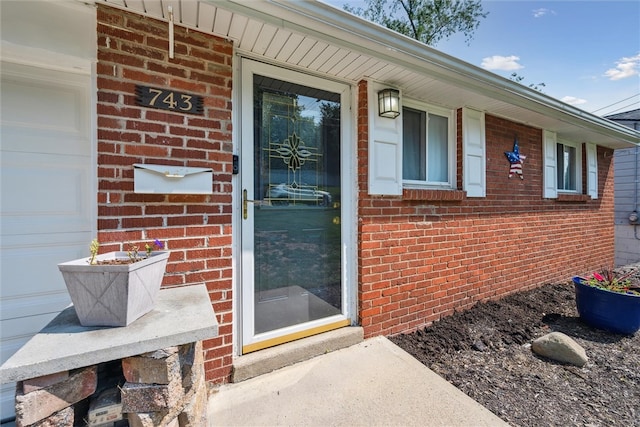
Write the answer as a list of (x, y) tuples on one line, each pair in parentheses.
[(268, 360)]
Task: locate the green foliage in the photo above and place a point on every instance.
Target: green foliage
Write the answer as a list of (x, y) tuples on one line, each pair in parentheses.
[(93, 249), (428, 21), (132, 252), (609, 279), (518, 79)]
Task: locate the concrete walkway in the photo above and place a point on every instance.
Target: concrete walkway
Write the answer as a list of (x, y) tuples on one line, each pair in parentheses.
[(374, 383)]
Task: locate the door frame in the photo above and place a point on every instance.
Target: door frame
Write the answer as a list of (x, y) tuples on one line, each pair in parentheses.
[(244, 69)]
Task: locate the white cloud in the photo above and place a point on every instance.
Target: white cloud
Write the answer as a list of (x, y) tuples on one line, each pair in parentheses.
[(572, 100), (626, 67), (539, 13), (497, 62)]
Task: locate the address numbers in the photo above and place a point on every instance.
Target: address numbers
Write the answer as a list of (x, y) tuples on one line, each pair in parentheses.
[(166, 99)]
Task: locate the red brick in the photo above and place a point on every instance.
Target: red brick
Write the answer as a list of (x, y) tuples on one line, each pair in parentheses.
[(479, 256), (483, 243)]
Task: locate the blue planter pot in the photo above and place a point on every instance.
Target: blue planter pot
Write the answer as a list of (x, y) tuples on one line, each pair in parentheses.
[(612, 311)]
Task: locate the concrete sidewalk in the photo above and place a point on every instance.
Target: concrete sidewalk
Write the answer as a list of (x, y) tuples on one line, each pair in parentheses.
[(374, 383)]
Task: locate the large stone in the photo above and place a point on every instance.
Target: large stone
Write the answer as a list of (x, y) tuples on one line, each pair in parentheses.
[(192, 363), (152, 419), (63, 418), (37, 383), (150, 397), (194, 413), (39, 404), (163, 353), (560, 347), (151, 370)]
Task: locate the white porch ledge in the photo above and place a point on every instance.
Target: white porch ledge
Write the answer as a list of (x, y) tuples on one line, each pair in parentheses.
[(181, 315)]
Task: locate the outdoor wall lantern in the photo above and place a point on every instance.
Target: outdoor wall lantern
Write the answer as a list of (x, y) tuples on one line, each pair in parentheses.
[(389, 103)]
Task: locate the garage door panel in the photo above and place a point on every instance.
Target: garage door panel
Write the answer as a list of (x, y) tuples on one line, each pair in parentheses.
[(52, 196), (27, 290), (31, 305), (21, 332), (47, 197), (59, 102), (16, 140)]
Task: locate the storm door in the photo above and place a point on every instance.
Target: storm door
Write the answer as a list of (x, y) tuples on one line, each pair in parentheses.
[(292, 243)]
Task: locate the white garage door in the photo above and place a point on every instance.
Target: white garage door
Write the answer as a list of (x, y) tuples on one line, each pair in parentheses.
[(47, 197)]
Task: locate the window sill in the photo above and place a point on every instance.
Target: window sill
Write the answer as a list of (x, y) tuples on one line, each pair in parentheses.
[(573, 198), (433, 195)]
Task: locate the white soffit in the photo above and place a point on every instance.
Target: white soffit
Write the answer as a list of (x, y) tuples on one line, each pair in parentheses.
[(320, 39)]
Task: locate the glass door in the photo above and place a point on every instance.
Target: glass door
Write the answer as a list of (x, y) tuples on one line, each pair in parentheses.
[(292, 279)]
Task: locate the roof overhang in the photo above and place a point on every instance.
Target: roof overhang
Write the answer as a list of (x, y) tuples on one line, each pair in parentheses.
[(321, 39)]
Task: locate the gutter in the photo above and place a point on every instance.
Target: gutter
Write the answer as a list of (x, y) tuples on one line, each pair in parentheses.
[(349, 31)]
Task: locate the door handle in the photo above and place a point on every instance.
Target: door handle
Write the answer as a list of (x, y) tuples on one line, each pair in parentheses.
[(246, 201)]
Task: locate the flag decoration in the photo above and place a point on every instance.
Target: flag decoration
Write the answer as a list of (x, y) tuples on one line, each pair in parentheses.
[(515, 160)]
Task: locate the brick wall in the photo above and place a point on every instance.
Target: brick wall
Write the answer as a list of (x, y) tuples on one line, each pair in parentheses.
[(421, 256), (426, 254), (195, 228)]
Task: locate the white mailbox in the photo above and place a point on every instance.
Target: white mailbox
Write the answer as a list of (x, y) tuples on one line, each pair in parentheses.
[(163, 179)]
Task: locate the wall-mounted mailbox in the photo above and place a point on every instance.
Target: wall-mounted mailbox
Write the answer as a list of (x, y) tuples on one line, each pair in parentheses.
[(162, 179)]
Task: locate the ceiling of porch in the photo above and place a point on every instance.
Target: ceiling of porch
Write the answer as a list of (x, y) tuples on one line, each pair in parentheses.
[(320, 39)]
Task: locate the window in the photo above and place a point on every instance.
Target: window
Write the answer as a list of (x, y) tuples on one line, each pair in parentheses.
[(569, 157), (427, 145), (567, 167), (429, 159), (563, 163)]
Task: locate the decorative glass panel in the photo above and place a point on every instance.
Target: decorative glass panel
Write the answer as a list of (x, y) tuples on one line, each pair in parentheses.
[(297, 225)]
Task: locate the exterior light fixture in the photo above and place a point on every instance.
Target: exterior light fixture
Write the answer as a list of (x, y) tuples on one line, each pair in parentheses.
[(389, 103)]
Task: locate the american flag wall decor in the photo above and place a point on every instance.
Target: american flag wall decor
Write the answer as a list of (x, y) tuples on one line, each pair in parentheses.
[(515, 160)]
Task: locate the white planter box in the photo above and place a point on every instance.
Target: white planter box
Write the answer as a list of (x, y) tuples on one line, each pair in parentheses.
[(113, 295)]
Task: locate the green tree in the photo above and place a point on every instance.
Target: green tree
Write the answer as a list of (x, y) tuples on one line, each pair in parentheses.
[(428, 21), (518, 79)]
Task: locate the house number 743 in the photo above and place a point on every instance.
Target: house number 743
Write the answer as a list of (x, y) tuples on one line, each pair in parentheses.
[(166, 99)]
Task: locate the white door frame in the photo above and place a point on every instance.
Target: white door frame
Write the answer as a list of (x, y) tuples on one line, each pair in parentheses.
[(243, 310)]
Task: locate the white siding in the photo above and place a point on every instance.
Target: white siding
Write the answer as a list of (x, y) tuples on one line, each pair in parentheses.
[(627, 172)]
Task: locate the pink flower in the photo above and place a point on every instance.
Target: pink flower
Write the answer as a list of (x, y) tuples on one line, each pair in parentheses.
[(598, 277)]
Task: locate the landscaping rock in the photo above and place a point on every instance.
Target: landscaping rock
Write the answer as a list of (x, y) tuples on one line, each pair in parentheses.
[(151, 369), (39, 404), (38, 383), (560, 347), (62, 418), (138, 397)]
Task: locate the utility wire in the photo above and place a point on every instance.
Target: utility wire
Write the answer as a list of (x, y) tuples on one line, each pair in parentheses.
[(611, 105), (620, 109)]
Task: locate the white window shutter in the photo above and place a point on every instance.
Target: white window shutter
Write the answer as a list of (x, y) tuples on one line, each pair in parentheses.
[(592, 170), (385, 148), (550, 162), (474, 153)]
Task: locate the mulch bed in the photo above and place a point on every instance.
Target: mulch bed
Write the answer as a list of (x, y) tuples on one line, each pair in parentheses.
[(486, 353)]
